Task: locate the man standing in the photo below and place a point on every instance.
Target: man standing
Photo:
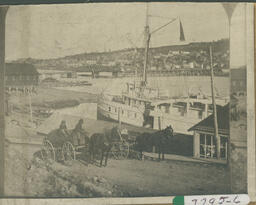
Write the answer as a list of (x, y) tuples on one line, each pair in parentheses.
[(78, 133)]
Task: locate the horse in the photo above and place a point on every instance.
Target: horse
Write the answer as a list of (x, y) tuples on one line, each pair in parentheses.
[(159, 140), (103, 142)]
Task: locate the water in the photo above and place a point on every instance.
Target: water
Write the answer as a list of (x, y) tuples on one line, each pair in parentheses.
[(175, 85), (88, 110)]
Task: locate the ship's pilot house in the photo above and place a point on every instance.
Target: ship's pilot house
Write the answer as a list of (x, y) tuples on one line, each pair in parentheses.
[(204, 140)]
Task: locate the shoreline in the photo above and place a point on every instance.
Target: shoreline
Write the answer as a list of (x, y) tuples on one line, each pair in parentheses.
[(45, 100)]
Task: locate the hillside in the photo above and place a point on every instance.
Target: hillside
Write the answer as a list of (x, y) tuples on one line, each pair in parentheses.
[(165, 57)]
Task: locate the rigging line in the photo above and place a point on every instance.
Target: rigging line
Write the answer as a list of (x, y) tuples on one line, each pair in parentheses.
[(162, 17), (154, 31)]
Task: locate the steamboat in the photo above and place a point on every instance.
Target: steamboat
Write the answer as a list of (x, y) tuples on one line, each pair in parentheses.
[(145, 106)]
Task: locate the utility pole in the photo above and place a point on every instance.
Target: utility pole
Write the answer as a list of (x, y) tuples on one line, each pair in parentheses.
[(229, 9), (216, 133), (3, 11)]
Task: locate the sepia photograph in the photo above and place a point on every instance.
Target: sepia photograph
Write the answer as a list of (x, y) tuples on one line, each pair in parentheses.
[(124, 99)]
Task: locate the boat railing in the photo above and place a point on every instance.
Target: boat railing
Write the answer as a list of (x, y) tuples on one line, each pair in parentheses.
[(196, 109)]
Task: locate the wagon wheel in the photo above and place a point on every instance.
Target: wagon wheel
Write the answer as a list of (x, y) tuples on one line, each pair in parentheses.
[(48, 152), (120, 150), (68, 152)]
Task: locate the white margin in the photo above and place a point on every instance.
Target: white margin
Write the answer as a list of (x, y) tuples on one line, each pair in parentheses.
[(251, 160)]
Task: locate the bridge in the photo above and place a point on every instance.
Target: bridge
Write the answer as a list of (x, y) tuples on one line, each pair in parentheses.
[(96, 71)]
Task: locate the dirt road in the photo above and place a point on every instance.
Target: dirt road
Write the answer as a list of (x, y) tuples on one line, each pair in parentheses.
[(152, 178), (121, 178)]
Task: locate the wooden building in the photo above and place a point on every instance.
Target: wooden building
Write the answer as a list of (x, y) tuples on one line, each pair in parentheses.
[(204, 145), (21, 76)]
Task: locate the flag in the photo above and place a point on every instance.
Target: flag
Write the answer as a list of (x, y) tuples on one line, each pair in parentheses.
[(229, 8), (182, 37)]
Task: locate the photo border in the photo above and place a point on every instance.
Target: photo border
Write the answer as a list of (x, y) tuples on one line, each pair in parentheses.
[(251, 151)]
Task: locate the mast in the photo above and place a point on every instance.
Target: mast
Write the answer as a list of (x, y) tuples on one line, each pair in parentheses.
[(147, 40), (217, 137)]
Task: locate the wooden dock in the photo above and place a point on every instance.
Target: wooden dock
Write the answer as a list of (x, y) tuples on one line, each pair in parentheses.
[(154, 156)]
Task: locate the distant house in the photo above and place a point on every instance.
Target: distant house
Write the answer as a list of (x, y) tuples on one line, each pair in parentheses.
[(185, 52), (21, 76), (111, 63), (175, 52), (91, 62), (204, 140), (72, 74), (188, 65), (238, 81)]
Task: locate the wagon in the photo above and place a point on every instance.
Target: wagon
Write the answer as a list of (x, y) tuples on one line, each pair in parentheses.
[(56, 147), (121, 147)]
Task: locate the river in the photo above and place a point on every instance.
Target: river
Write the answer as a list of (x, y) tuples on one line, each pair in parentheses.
[(175, 85)]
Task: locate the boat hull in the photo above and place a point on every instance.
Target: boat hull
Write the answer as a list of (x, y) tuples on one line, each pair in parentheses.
[(158, 118)]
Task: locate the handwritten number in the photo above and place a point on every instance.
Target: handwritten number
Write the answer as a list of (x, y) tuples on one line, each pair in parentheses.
[(204, 199), (235, 200), (195, 200), (222, 199), (212, 200)]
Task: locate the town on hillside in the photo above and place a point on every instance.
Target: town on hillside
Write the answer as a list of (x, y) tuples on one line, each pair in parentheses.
[(189, 59)]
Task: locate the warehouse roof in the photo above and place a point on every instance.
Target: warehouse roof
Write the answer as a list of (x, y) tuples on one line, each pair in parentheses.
[(20, 69)]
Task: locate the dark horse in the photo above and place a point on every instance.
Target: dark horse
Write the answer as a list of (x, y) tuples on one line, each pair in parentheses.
[(159, 140), (102, 143)]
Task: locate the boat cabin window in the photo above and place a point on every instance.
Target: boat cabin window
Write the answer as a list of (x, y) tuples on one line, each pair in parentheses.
[(200, 114), (210, 107), (179, 104), (198, 106), (165, 107)]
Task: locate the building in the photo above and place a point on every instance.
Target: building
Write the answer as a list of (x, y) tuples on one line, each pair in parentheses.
[(238, 81), (204, 142), (91, 62), (21, 76), (189, 65), (72, 74)]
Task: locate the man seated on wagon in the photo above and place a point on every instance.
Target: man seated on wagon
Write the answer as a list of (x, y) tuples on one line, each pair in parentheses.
[(63, 131), (78, 133)]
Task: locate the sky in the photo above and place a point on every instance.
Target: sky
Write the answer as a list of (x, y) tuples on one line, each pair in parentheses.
[(51, 31)]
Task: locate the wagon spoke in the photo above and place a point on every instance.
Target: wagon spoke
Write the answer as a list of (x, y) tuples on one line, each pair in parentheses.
[(68, 152), (48, 152), (120, 150)]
